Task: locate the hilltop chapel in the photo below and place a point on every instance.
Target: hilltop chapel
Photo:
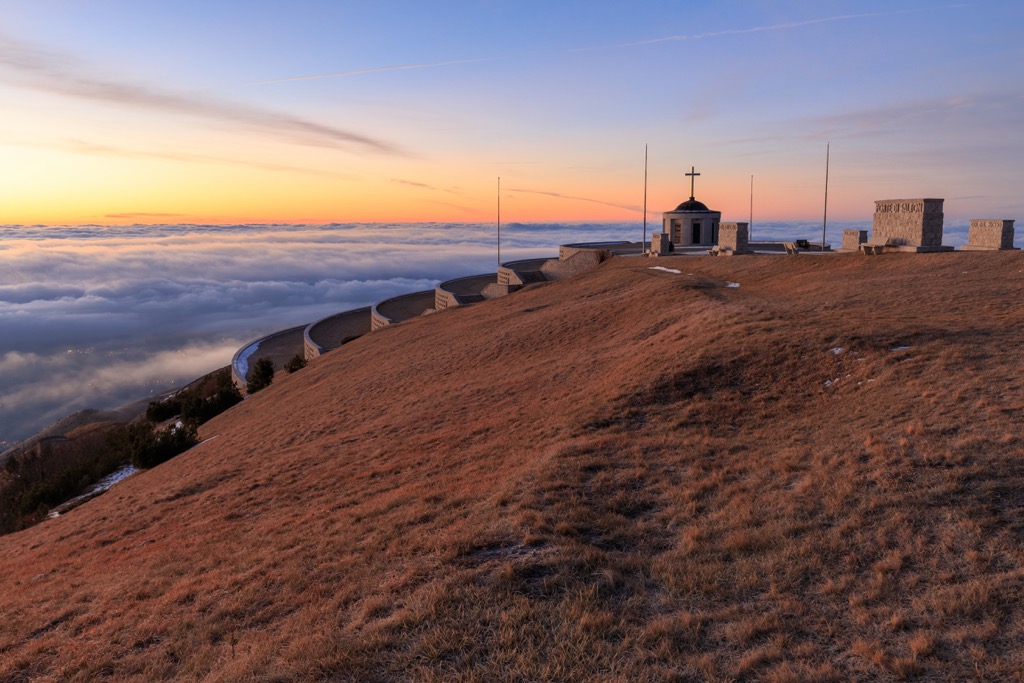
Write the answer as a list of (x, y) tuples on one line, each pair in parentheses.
[(692, 223)]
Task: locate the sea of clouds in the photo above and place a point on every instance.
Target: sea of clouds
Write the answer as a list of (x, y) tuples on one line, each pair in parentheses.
[(97, 316)]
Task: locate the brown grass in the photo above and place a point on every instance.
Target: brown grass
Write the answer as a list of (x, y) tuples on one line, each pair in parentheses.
[(630, 476)]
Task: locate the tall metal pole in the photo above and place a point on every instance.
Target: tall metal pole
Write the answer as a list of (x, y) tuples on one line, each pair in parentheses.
[(824, 220), (643, 244), (750, 226), (499, 221)]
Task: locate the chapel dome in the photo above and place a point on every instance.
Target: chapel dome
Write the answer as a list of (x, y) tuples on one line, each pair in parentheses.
[(692, 204)]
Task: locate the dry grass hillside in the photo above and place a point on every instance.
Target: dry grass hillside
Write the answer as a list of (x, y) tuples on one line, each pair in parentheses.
[(634, 475)]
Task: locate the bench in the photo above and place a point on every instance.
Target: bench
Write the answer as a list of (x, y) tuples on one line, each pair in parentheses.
[(877, 245)]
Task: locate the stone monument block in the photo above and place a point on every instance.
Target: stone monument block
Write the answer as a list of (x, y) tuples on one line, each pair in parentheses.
[(733, 237), (989, 235), (660, 244), (852, 239), (909, 222)]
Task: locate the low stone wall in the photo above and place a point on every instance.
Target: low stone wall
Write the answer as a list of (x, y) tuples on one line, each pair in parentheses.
[(317, 338), (779, 247), (579, 262), (520, 273), (498, 290), (399, 308), (567, 251), (329, 333), (279, 347), (462, 290)]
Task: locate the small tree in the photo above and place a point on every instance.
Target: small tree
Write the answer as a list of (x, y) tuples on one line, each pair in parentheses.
[(262, 375), (158, 411), (196, 410), (144, 448), (296, 363)]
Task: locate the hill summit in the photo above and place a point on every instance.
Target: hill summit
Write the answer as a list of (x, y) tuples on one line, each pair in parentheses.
[(760, 468)]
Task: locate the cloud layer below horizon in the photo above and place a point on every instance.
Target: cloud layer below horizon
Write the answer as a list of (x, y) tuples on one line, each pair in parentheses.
[(99, 316)]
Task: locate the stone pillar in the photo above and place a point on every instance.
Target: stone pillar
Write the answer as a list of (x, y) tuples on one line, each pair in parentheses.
[(989, 235), (852, 239), (660, 244), (732, 238)]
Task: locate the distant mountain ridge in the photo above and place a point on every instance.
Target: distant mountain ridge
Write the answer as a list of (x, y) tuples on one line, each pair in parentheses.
[(86, 416)]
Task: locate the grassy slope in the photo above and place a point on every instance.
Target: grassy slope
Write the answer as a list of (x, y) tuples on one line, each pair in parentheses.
[(633, 475)]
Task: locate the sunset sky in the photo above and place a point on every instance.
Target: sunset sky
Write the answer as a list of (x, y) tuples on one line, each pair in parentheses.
[(232, 111)]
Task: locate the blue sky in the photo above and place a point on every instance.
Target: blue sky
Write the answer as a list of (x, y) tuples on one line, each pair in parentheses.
[(121, 110)]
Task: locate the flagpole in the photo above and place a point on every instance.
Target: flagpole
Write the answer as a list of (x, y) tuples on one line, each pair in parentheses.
[(824, 220), (643, 243), (750, 227), (499, 221)]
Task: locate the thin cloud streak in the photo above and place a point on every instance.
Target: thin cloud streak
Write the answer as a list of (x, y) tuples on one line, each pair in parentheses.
[(143, 215), (423, 186), (372, 70), (964, 110), (413, 183), (92, 148), (559, 195), (756, 29), (464, 209), (34, 69)]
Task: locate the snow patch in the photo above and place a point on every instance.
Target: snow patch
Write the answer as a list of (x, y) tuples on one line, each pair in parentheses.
[(242, 364), (98, 488), (667, 270), (733, 285)]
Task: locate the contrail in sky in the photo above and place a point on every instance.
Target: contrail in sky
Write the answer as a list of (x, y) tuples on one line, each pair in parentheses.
[(759, 29), (377, 69), (424, 186), (142, 214), (579, 199), (464, 209)]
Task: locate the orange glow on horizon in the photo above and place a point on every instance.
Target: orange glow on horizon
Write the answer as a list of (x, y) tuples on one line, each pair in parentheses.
[(51, 187), (514, 209)]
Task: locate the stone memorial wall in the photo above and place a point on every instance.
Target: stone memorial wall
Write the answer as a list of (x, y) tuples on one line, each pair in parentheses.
[(989, 234), (912, 222)]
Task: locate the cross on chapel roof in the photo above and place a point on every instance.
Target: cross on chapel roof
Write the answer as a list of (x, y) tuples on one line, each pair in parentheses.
[(692, 174), (692, 204)]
